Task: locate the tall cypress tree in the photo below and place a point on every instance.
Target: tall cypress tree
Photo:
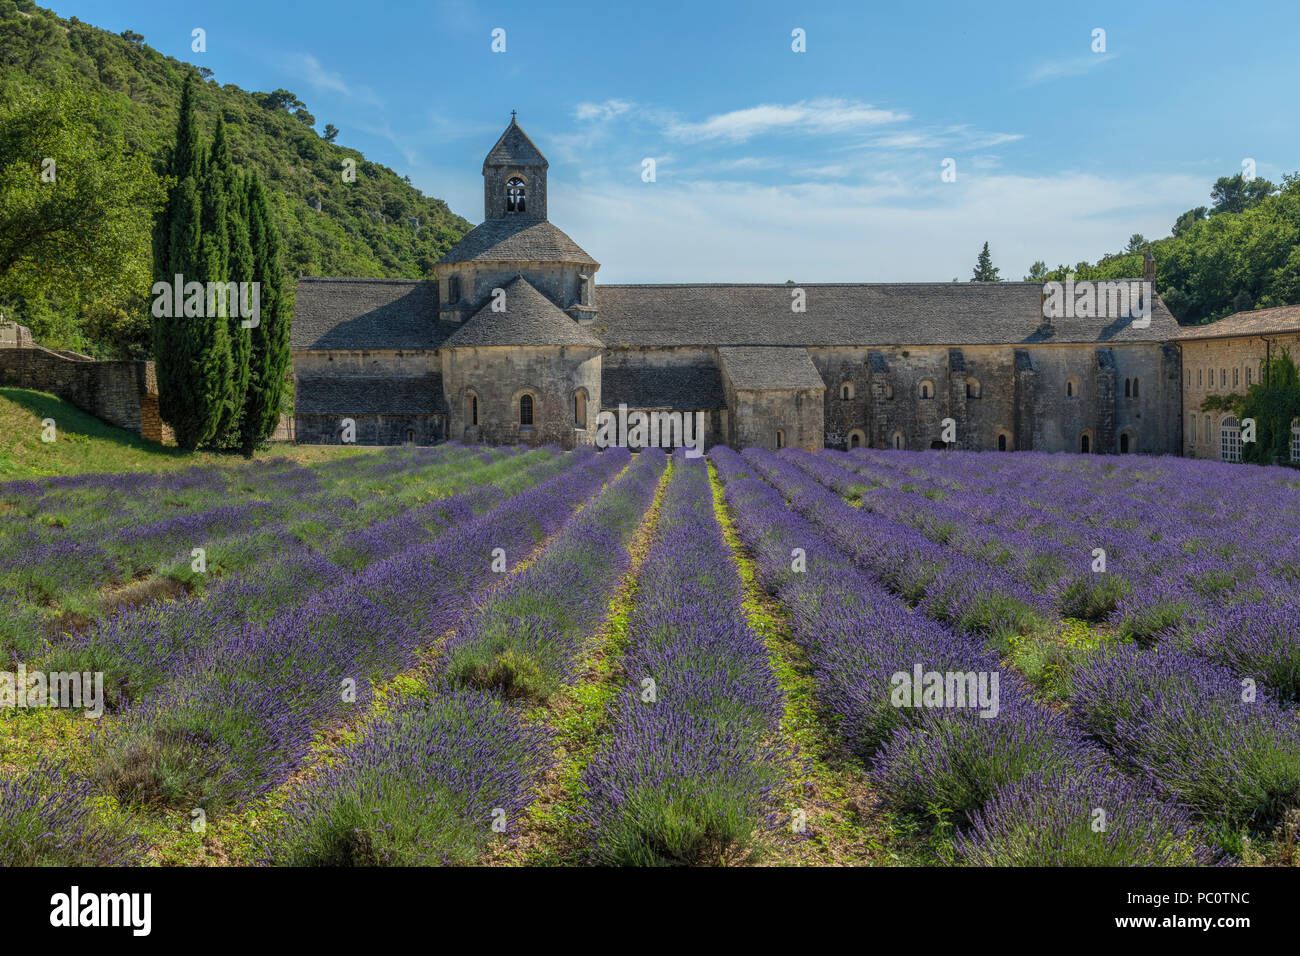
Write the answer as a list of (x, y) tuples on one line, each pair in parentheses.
[(191, 353), (229, 203), (269, 359)]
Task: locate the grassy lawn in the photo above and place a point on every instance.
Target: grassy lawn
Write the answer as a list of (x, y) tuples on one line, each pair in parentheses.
[(86, 444)]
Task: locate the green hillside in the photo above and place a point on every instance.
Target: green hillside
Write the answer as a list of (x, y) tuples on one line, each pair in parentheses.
[(84, 444), (362, 228)]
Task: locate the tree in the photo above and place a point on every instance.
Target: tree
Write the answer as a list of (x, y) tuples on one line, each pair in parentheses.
[(1237, 194), (282, 100), (1136, 243), (191, 353), (226, 189), (1189, 219), (1037, 272), (76, 203), (984, 270), (331, 132), (269, 358)]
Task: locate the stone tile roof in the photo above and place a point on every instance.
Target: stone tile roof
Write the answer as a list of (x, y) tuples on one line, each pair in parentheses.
[(678, 388), (366, 314), (529, 319), (940, 313), (516, 239), (760, 368), (1284, 318), (514, 148), (357, 395)]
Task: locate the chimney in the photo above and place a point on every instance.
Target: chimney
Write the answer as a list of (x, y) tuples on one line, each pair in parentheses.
[(1149, 270)]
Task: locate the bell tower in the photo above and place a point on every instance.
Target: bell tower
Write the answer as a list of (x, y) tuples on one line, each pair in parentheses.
[(514, 177)]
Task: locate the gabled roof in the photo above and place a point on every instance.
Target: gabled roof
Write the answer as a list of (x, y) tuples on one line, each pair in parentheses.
[(366, 314), (516, 239), (529, 319), (514, 148), (904, 313), (759, 368), (675, 387), (1284, 318)]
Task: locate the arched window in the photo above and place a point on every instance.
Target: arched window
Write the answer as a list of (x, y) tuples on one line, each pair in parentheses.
[(927, 389), (410, 436), (1003, 444), (1223, 378), (1128, 388), (972, 388), (526, 410), (471, 409), (780, 438), (1295, 440), (1085, 443), (515, 195), (857, 439), (1199, 382), (1124, 443), (1229, 439), (846, 391), (1236, 377), (580, 409), (1194, 428), (1071, 387), (1249, 375), (898, 441), (1136, 384)]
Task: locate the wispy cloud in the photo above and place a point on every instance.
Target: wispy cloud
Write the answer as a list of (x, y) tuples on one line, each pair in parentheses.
[(601, 111), (1070, 66), (815, 116), (311, 71)]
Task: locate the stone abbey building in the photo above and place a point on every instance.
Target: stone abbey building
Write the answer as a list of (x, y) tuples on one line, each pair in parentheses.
[(514, 341)]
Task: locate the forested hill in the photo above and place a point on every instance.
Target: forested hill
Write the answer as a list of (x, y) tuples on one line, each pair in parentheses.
[(363, 228)]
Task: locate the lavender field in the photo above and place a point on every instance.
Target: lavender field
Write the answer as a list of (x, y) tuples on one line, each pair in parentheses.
[(488, 656)]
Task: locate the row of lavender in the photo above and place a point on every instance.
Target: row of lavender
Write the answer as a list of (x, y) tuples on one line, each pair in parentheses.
[(55, 555), (1001, 774), (447, 767), (264, 558), (686, 775), (139, 649), (1220, 586), (238, 707)]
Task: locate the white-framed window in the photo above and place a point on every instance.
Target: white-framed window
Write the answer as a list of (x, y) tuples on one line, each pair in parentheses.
[(1229, 439), (1295, 440), (1195, 422)]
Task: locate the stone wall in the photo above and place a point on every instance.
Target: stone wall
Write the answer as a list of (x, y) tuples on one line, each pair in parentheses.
[(500, 376), (1044, 397), (1221, 367), (371, 429), (122, 393)]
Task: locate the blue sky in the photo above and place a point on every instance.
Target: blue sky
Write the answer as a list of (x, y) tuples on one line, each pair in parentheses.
[(773, 165)]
